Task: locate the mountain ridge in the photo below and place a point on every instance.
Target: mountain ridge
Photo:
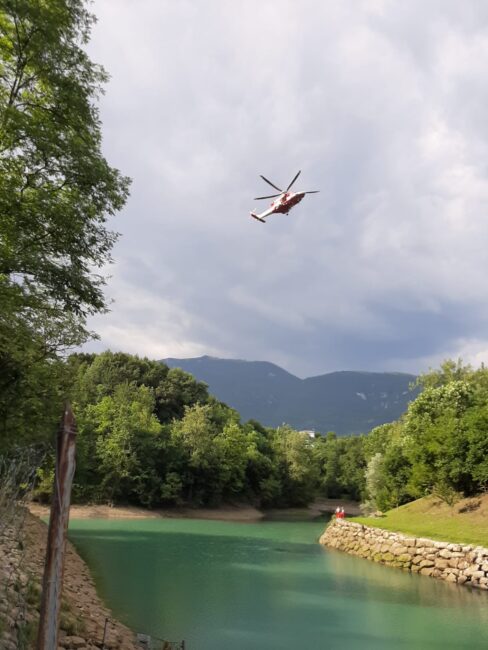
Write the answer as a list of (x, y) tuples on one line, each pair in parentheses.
[(344, 401)]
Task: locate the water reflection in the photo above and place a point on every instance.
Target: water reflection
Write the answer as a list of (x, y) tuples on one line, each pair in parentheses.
[(358, 578)]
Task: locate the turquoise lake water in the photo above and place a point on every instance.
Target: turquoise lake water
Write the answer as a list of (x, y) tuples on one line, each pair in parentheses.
[(269, 586)]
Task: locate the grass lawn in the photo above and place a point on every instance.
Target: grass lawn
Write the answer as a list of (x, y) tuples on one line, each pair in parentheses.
[(465, 522)]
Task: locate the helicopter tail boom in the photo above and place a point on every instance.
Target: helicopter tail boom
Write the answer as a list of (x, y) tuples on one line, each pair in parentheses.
[(255, 216)]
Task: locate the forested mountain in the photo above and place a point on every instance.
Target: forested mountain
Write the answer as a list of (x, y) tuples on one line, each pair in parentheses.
[(344, 402)]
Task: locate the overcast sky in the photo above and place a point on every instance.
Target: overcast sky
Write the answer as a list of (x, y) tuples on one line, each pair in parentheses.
[(383, 106)]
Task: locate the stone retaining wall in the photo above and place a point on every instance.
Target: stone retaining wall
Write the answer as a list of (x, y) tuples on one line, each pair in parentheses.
[(459, 563), (83, 614)]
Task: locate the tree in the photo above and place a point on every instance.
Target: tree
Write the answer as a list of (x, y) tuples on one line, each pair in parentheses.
[(56, 193), (178, 391), (330, 467), (476, 430), (296, 469), (56, 188), (352, 465), (374, 482), (119, 441), (195, 435), (449, 371), (99, 375)]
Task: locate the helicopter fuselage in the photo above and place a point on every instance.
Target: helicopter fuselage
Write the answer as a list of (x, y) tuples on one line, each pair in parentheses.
[(282, 205), (287, 201)]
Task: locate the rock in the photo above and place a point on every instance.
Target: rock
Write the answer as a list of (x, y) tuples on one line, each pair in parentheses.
[(452, 570), (74, 642), (473, 568), (441, 545), (426, 571), (441, 563), (398, 549), (476, 575)]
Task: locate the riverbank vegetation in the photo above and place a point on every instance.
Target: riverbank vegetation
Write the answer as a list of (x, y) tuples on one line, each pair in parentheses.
[(152, 436), (439, 447)]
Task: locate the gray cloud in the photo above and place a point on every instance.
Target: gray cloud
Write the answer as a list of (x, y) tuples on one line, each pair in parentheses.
[(382, 106)]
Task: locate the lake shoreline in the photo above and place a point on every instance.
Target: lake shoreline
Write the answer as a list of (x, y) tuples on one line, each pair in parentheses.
[(244, 513), (85, 618), (462, 564)]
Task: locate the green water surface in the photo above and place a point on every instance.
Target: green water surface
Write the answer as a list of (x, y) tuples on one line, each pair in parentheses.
[(269, 586)]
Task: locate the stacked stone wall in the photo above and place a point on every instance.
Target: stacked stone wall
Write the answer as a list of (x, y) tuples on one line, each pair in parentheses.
[(83, 615), (459, 563)]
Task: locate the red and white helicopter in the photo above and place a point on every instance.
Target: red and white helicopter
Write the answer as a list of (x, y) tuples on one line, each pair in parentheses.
[(284, 203)]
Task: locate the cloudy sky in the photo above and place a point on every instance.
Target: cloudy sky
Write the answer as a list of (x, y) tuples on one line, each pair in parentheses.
[(383, 106)]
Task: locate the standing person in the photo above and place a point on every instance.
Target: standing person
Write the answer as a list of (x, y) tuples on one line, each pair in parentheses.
[(338, 512), (343, 514)]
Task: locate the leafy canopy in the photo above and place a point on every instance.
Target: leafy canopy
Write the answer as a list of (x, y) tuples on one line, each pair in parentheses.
[(56, 188), (56, 193)]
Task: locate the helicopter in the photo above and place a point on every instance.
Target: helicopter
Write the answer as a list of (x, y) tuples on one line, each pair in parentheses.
[(284, 203)]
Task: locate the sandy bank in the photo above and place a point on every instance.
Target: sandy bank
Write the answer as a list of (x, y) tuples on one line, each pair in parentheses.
[(225, 513), (228, 513)]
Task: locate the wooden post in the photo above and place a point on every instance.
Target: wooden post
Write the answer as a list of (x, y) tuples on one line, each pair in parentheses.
[(47, 637), (105, 634)]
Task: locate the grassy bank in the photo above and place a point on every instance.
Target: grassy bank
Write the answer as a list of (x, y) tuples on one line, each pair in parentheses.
[(464, 522)]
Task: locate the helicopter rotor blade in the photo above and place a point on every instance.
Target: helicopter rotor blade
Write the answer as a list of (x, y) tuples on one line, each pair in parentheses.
[(272, 184), (293, 181), (272, 196), (312, 192)]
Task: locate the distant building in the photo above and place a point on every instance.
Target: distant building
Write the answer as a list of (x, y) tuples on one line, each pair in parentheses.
[(310, 433)]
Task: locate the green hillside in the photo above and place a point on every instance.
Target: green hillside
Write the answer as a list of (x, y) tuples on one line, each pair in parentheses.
[(464, 522)]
